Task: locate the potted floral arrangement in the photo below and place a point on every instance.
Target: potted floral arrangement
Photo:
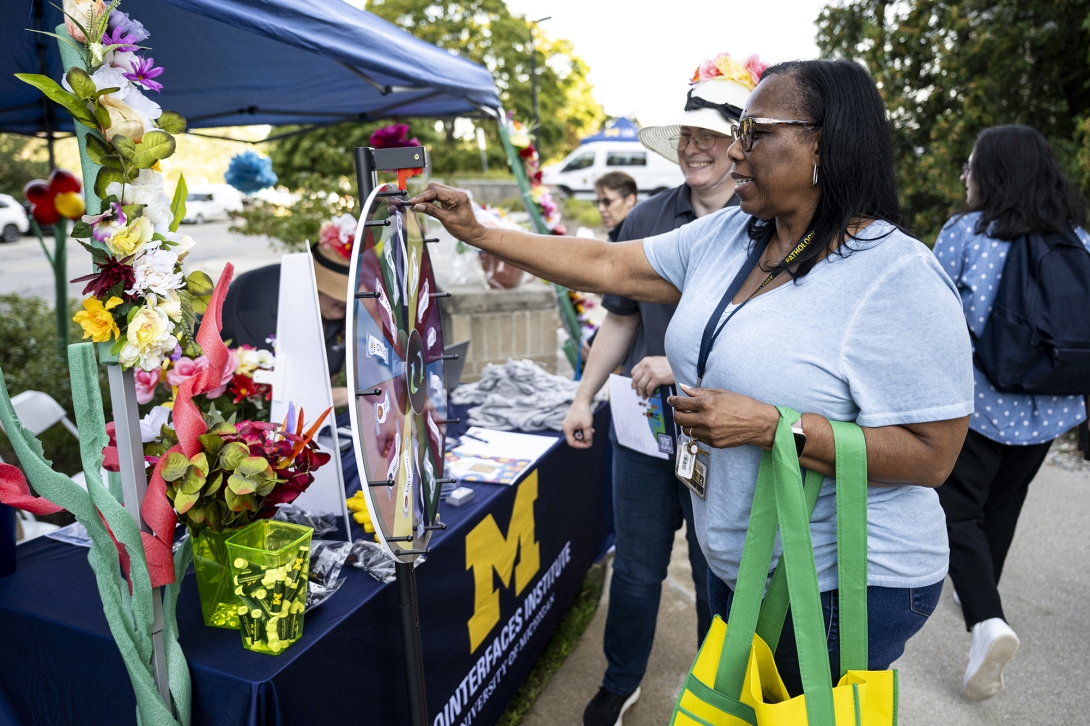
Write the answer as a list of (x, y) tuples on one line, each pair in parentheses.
[(242, 472)]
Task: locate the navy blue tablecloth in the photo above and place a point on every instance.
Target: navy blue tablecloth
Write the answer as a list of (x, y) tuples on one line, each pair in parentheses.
[(59, 664)]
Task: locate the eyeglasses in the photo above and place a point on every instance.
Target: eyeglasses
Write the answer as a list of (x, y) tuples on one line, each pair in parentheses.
[(606, 202), (743, 132), (704, 140)]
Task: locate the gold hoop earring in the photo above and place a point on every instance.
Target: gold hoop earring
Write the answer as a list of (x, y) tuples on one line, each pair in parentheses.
[(815, 175)]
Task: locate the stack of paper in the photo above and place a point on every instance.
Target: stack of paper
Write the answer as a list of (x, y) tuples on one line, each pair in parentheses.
[(496, 457)]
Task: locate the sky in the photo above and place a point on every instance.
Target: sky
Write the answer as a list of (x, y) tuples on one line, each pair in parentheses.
[(641, 54)]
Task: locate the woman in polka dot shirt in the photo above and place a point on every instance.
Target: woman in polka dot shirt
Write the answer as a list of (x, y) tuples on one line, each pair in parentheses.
[(1014, 188)]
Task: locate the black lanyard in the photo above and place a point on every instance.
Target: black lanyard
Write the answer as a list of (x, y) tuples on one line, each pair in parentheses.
[(711, 332)]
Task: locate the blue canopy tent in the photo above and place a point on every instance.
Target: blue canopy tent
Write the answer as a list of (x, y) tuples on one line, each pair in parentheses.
[(241, 62), (620, 129)]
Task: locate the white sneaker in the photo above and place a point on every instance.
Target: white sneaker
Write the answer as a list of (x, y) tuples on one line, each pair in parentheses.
[(994, 644)]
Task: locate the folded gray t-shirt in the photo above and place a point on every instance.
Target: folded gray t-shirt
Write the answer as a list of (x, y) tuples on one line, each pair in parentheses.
[(876, 337)]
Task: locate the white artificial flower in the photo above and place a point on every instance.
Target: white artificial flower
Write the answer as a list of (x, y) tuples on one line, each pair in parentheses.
[(149, 339), (153, 423), (121, 60), (154, 273), (183, 243), (110, 77), (146, 189), (265, 359), (172, 306), (346, 227), (149, 110)]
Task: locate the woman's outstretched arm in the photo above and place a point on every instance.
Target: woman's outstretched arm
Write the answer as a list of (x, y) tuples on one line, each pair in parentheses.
[(582, 264)]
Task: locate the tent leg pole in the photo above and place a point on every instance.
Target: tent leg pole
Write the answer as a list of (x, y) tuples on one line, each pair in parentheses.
[(410, 641)]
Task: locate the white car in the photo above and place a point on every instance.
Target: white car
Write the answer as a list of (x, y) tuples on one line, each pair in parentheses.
[(13, 219), (576, 174), (209, 202)]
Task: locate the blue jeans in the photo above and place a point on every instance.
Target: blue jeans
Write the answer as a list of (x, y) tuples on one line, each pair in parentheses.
[(649, 505), (894, 615)]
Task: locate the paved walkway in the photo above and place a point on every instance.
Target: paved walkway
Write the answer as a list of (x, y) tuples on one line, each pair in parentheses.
[(1046, 591)]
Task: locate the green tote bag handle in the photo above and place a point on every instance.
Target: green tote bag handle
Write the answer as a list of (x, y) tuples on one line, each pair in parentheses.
[(779, 498)]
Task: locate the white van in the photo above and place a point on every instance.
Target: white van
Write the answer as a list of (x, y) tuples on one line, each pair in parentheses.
[(208, 202), (576, 174)]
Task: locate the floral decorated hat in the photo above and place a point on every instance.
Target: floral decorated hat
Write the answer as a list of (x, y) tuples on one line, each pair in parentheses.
[(718, 91), (332, 255)]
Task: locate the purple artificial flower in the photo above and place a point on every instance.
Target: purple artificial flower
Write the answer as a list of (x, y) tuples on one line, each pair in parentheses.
[(176, 354), (104, 225), (116, 37), (142, 73), (130, 28)]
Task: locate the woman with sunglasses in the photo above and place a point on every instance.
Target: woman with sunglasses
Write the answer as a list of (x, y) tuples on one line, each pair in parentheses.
[(1014, 188), (839, 314)]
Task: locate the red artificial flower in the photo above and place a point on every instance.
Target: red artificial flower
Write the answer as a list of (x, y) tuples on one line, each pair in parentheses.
[(62, 187), (112, 272)]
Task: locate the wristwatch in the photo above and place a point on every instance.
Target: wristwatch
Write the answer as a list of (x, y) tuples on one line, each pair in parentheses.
[(800, 436)]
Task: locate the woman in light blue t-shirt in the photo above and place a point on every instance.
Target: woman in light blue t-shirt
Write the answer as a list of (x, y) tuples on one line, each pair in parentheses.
[(1014, 188), (862, 326)]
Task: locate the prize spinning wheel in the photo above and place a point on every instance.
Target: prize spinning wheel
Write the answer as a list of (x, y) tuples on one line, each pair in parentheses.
[(395, 371)]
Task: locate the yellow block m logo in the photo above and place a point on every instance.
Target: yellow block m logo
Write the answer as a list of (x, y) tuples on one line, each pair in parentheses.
[(487, 550)]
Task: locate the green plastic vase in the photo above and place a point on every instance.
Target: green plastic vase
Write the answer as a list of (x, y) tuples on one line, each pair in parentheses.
[(219, 604)]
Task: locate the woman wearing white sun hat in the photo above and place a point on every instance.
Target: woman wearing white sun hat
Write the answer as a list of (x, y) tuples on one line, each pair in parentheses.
[(648, 501)]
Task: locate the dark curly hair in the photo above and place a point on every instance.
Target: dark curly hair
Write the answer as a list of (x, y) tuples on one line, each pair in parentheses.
[(856, 148)]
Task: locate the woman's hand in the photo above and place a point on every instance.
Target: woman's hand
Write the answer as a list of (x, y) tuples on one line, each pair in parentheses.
[(455, 212), (724, 419), (650, 373), (579, 419)]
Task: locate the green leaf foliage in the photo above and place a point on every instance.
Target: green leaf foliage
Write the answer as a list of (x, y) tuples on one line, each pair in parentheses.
[(126, 148), (175, 466), (105, 177), (156, 145), (81, 230), (232, 455), (54, 92), (948, 69), (177, 205), (81, 83), (211, 443), (172, 122)]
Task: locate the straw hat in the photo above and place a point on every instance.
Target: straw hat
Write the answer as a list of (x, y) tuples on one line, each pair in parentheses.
[(719, 90), (330, 272)]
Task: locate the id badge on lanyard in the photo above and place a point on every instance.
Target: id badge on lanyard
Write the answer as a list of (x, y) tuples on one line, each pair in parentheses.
[(688, 468), (691, 466)]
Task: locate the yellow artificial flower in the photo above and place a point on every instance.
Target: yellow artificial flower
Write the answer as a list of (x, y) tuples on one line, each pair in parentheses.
[(69, 204), (131, 239), (149, 338), (97, 321)]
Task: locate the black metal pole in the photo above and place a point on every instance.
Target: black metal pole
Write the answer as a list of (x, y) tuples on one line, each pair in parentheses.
[(365, 175), (410, 642)]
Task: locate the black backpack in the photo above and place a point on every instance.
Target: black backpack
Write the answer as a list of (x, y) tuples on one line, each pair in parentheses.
[(1037, 338)]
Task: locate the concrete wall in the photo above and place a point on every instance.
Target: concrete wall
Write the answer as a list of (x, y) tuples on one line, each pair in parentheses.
[(502, 324)]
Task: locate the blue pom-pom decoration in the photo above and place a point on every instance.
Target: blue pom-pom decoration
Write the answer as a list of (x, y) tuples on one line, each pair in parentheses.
[(249, 172)]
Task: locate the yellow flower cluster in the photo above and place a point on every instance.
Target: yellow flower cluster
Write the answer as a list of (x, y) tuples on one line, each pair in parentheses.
[(97, 321), (358, 506)]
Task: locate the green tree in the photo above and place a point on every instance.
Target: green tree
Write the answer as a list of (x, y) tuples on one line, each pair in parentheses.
[(948, 69), (20, 162), (485, 31), (319, 166)]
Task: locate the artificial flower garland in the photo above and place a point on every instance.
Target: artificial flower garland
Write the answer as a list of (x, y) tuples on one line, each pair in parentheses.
[(724, 68), (141, 301)]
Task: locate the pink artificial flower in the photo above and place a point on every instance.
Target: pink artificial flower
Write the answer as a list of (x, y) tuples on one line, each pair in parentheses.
[(228, 374), (146, 383), (755, 68), (185, 368), (706, 71)]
